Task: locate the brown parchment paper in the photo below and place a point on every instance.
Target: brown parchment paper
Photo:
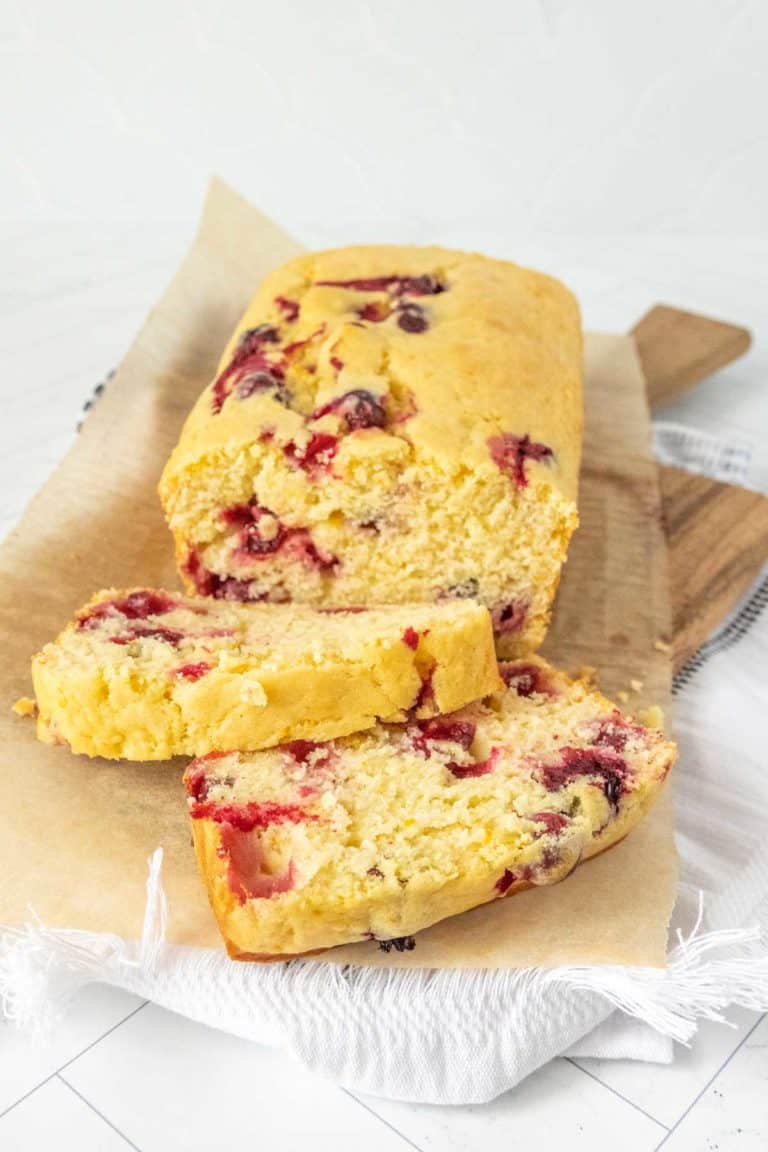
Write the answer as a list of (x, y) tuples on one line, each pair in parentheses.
[(76, 834)]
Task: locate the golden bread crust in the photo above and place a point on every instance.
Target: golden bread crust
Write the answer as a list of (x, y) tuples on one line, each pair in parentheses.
[(145, 674), (416, 411), (381, 834)]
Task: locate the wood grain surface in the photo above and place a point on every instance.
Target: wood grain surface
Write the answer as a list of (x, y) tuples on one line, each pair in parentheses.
[(718, 541), (679, 349), (717, 534)]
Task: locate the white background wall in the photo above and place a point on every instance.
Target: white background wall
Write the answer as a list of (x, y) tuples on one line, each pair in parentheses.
[(619, 144), (349, 118)]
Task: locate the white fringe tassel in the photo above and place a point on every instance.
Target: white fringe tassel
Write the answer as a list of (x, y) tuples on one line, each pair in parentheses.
[(705, 973), (41, 970), (155, 916)]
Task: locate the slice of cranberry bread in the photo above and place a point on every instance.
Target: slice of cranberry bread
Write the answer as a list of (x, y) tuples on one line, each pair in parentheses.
[(380, 834), (390, 424), (148, 674)]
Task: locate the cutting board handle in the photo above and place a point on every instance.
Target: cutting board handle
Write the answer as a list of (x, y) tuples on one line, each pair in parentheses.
[(679, 349), (717, 535)]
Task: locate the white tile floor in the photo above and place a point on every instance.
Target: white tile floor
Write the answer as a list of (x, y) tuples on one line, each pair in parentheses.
[(733, 1110), (24, 1066), (56, 1117), (666, 1091), (121, 1073)]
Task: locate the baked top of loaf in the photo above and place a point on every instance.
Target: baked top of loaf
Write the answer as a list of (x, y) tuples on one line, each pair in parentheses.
[(498, 352), (415, 412), (148, 674), (377, 835)]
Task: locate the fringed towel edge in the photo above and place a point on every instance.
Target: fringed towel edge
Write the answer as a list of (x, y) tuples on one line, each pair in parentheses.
[(42, 969)]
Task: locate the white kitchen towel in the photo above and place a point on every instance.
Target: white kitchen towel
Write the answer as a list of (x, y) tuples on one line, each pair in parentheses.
[(741, 461), (462, 1037)]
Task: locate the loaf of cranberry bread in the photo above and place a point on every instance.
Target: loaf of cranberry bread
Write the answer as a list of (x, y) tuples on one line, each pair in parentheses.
[(388, 424), (147, 674), (377, 835)]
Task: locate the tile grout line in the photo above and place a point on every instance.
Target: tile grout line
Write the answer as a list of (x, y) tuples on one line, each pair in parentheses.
[(618, 1094), (381, 1119), (66, 1064), (27, 1095), (95, 1110), (99, 1039), (711, 1081)]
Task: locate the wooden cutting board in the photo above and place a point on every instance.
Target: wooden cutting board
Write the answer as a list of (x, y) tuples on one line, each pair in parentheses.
[(717, 533), (680, 349)]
